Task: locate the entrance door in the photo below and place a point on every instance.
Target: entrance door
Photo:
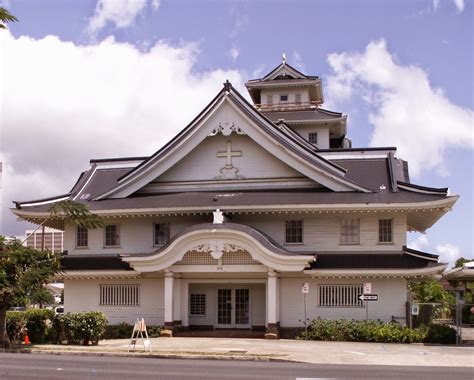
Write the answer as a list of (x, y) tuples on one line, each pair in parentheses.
[(233, 308)]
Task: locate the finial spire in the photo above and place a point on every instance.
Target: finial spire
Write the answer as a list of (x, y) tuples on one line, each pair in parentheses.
[(227, 85), (283, 58)]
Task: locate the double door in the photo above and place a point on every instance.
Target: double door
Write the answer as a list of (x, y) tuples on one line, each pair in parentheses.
[(233, 307)]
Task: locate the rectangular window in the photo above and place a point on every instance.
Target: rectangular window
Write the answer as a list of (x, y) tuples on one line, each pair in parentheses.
[(82, 237), (385, 231), (162, 233), (112, 236), (349, 231), (283, 97), (313, 137), (294, 231), (197, 304), (269, 99), (298, 98), (119, 295), (340, 295)]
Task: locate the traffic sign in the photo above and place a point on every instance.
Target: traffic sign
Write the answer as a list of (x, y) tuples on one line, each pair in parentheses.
[(367, 288), (415, 309), (369, 297), (305, 288)]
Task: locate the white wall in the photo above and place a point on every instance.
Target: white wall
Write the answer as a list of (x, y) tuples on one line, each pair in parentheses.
[(392, 297), (321, 130), (291, 92), (83, 295), (321, 232), (203, 164)]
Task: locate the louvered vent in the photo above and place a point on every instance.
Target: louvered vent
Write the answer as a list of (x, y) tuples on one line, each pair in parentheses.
[(238, 258)]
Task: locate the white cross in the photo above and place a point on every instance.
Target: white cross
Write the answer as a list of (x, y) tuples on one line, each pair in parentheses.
[(228, 154)]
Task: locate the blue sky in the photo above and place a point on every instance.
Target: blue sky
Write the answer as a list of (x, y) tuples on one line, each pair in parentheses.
[(401, 70)]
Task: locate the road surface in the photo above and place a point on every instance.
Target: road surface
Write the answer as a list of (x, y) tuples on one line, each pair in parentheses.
[(44, 366)]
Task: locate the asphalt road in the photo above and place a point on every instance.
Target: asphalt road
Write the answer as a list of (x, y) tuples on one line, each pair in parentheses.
[(44, 366)]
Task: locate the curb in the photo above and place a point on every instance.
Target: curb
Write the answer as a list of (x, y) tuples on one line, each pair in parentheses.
[(151, 355)]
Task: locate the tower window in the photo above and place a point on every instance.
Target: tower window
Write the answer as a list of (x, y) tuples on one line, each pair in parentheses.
[(283, 97), (298, 98), (269, 99), (313, 137)]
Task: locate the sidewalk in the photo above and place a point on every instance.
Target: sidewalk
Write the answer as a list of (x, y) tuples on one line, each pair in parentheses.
[(287, 350)]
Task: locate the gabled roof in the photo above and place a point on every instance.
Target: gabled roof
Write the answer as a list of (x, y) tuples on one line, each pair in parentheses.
[(285, 75), (262, 130)]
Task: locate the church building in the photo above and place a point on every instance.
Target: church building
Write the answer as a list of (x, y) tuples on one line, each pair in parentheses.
[(253, 216)]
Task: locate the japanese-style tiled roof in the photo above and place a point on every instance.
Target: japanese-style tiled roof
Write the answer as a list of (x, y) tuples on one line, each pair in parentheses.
[(212, 200), (315, 114), (405, 259), (93, 262)]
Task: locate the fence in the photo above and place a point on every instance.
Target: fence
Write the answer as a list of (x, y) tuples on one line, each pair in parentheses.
[(459, 315)]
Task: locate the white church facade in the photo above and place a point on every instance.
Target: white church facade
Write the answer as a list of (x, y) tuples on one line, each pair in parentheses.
[(222, 226)]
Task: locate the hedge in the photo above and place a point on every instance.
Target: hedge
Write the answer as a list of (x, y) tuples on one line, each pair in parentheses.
[(124, 331), (71, 328), (376, 331)]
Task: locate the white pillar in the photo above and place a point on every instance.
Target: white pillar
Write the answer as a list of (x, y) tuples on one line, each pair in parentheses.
[(168, 298), (185, 304), (272, 299)]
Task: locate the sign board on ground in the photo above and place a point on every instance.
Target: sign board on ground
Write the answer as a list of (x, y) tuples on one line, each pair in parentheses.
[(369, 297), (367, 288), (415, 309), (305, 288)]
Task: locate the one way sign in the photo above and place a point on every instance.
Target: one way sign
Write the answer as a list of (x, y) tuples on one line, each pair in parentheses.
[(369, 297)]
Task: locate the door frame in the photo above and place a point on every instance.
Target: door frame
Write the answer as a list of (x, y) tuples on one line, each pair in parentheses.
[(233, 288)]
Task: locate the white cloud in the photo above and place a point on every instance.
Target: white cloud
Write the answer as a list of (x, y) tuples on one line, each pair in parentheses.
[(297, 62), (121, 13), (406, 111), (420, 243), (448, 253), (68, 103), (234, 53), (459, 5)]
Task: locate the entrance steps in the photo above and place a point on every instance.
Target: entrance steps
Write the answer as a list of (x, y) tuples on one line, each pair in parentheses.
[(221, 333)]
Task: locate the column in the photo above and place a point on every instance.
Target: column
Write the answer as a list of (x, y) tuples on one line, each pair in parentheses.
[(185, 304), (177, 319), (169, 299), (272, 306)]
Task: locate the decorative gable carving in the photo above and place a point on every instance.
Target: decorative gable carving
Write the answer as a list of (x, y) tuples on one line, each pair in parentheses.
[(227, 129), (228, 254)]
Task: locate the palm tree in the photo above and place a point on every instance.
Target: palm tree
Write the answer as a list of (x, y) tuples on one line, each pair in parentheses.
[(6, 17)]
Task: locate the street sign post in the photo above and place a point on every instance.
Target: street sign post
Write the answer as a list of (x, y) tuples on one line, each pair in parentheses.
[(369, 297), (305, 291)]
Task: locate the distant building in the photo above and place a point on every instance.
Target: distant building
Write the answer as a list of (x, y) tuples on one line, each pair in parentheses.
[(54, 239), (1, 196)]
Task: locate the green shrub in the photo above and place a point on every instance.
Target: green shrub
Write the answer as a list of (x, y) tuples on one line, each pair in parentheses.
[(38, 323), (15, 325), (82, 328), (121, 331), (124, 331), (442, 334), (154, 331), (362, 331)]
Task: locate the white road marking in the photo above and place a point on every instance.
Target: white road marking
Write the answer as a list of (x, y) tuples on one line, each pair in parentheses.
[(59, 369), (355, 352)]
